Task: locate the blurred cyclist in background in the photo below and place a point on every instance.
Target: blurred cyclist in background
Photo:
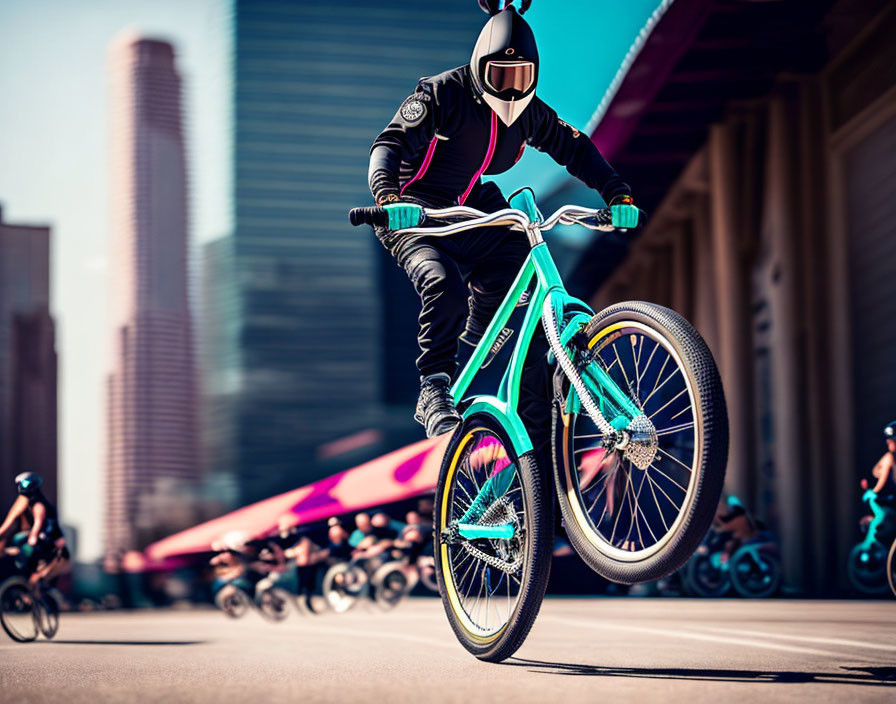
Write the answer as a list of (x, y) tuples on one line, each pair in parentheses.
[(734, 523), (883, 471), (42, 547)]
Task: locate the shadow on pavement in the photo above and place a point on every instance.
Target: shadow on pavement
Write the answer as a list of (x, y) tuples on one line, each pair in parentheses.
[(121, 642), (866, 676)]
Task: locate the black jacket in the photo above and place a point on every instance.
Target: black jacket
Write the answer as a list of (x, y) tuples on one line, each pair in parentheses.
[(444, 138)]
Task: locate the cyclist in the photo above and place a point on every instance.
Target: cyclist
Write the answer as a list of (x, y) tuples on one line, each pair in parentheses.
[(338, 548), (885, 471), (457, 126), (241, 563), (362, 536), (733, 522), (42, 548)]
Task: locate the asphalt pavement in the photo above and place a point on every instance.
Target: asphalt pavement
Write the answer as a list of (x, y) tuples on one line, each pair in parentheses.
[(580, 650)]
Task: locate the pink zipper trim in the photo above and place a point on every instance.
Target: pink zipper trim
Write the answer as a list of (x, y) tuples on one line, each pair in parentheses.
[(427, 160), (520, 155), (492, 140)]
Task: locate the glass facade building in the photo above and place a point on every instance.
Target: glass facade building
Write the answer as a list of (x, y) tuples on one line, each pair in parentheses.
[(304, 305)]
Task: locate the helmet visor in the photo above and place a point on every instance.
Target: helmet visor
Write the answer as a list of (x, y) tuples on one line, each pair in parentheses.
[(502, 76)]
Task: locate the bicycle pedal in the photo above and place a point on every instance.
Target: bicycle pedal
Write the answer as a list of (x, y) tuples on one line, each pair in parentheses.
[(500, 341)]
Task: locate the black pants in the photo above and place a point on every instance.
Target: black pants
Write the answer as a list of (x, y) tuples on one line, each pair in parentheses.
[(462, 280)]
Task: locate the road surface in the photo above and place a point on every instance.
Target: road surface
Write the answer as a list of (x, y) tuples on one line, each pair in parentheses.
[(581, 650)]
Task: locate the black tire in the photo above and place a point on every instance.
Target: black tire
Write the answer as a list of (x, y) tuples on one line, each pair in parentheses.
[(48, 615), (891, 568), (338, 598), (233, 601), (390, 585), (274, 604), (706, 579), (532, 509), (427, 569), (626, 563), (867, 568), (752, 580), (17, 610)]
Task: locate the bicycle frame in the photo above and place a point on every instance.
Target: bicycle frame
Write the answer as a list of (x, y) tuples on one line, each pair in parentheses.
[(549, 302), (879, 515)]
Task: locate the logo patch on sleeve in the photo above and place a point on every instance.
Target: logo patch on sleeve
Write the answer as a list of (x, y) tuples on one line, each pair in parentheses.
[(413, 110), (575, 132)]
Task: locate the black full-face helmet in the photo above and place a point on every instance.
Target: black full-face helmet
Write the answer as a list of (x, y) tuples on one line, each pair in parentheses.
[(28, 483), (504, 65)]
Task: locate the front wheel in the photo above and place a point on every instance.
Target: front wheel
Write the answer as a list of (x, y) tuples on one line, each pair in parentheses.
[(637, 514), (390, 585), (47, 613), (17, 610), (492, 540), (274, 603)]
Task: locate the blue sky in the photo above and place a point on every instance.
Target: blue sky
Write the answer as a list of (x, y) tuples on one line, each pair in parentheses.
[(53, 161)]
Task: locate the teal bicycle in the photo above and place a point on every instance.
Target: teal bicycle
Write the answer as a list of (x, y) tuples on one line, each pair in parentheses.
[(640, 442)]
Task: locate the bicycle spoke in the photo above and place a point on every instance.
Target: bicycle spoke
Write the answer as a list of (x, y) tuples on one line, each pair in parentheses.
[(662, 491), (673, 457), (656, 346), (619, 513), (656, 501), (651, 416), (666, 381), (658, 377), (675, 429), (622, 368)]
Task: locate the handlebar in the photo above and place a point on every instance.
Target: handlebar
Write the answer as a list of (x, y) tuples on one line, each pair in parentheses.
[(593, 219), (376, 216)]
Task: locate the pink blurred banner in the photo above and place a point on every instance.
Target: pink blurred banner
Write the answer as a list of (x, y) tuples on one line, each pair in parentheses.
[(400, 475)]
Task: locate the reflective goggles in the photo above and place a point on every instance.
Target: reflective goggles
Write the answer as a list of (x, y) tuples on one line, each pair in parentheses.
[(509, 75)]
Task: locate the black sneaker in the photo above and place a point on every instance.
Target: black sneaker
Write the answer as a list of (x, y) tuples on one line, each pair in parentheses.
[(435, 407)]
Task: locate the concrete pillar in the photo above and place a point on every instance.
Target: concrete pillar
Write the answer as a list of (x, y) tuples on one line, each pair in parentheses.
[(779, 224), (820, 411), (705, 298), (733, 342), (682, 276)]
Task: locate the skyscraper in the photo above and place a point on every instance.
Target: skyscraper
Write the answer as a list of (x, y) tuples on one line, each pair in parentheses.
[(305, 350), (152, 421), (28, 419)]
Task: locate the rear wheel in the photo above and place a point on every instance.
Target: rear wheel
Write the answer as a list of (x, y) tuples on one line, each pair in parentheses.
[(274, 603), (867, 568), (755, 574), (705, 576), (17, 610), (639, 517), (339, 586), (491, 587), (233, 601), (390, 585)]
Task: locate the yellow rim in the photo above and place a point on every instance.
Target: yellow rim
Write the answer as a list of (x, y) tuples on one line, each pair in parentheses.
[(584, 522), (447, 576)]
